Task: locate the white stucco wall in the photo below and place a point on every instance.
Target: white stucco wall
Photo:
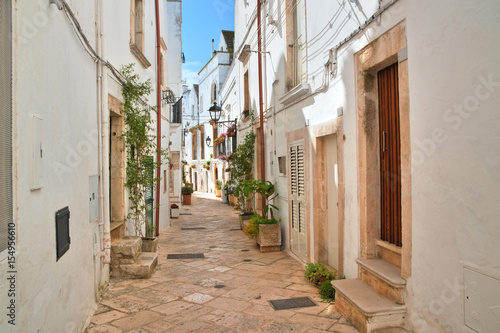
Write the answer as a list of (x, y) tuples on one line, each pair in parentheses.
[(60, 86), (454, 79)]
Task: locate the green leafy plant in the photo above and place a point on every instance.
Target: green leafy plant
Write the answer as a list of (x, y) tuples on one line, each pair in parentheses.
[(140, 143), (186, 190), (318, 273), (218, 184), (326, 291), (263, 187), (241, 167)]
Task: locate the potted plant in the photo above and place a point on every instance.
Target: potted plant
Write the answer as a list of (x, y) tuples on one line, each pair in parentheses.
[(267, 231), (150, 242), (224, 194), (186, 192), (218, 186), (174, 211)]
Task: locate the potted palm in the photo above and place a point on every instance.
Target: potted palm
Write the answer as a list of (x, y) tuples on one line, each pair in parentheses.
[(186, 192)]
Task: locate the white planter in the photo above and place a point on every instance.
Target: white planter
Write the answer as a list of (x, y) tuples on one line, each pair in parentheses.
[(174, 213)]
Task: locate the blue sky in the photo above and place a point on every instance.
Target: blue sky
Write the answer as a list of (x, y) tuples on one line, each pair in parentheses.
[(202, 20)]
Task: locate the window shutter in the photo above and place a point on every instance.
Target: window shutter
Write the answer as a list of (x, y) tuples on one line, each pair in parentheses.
[(62, 232), (297, 187), (6, 216)]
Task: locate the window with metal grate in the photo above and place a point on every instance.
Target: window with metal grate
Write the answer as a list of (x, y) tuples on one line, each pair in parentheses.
[(62, 232), (6, 215)]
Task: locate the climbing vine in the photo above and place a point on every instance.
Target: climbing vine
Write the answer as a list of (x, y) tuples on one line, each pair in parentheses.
[(140, 144)]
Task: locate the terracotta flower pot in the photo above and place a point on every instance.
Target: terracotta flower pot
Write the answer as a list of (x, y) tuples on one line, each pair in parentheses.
[(186, 199)]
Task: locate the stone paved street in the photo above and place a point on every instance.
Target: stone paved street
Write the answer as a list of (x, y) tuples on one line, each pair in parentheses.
[(182, 295)]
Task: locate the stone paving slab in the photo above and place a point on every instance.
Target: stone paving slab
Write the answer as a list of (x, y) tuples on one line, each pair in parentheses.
[(181, 296)]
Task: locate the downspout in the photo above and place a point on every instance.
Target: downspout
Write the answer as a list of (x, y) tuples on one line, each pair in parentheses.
[(261, 101), (158, 115), (104, 223)]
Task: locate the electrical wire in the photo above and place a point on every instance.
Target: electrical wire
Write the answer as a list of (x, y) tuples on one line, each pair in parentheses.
[(86, 44)]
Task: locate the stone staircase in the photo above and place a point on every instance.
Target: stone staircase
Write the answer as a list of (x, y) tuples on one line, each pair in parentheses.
[(128, 260), (375, 301)]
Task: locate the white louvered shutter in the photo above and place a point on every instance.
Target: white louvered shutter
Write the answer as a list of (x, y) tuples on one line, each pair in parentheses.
[(5, 121), (297, 199)]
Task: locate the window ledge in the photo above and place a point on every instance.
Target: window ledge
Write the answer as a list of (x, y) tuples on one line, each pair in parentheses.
[(298, 92), (139, 55)]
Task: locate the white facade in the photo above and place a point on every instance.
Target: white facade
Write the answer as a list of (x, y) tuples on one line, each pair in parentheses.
[(450, 51), (174, 83), (211, 79), (64, 107)]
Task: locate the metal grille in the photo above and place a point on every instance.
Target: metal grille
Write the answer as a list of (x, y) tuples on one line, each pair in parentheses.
[(193, 228), (186, 256), (5, 122), (292, 303)]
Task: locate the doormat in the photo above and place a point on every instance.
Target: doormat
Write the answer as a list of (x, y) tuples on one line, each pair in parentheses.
[(186, 256), (197, 228), (292, 303)]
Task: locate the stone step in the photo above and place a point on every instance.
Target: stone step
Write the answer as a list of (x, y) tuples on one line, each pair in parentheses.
[(142, 268), (126, 250), (384, 277), (368, 310)]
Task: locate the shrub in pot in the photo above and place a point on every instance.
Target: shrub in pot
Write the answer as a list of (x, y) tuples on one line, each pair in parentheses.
[(186, 192), (218, 186)]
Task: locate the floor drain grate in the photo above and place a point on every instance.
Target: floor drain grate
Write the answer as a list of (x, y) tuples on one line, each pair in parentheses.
[(186, 256), (212, 247), (247, 260), (218, 286), (292, 303), (197, 228), (185, 214), (245, 250), (235, 230)]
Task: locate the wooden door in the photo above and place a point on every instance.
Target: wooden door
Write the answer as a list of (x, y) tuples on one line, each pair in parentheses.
[(297, 200), (332, 182), (390, 155)]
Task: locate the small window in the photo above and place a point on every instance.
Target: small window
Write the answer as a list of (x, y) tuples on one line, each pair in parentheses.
[(214, 92), (62, 232)]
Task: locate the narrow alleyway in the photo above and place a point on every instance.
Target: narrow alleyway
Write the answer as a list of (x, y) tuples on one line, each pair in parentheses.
[(227, 291)]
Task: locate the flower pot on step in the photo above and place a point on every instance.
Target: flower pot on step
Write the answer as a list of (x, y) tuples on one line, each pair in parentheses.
[(149, 244)]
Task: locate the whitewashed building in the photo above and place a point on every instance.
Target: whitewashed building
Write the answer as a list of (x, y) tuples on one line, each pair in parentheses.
[(381, 135), (211, 78), (62, 162)]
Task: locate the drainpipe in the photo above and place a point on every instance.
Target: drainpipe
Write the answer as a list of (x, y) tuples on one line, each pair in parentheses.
[(158, 115), (103, 125), (261, 100)]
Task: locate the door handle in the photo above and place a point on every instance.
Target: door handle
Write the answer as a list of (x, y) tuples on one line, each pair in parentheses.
[(384, 146)]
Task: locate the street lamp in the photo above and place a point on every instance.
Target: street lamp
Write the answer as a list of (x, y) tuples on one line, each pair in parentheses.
[(215, 112), (208, 141)]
